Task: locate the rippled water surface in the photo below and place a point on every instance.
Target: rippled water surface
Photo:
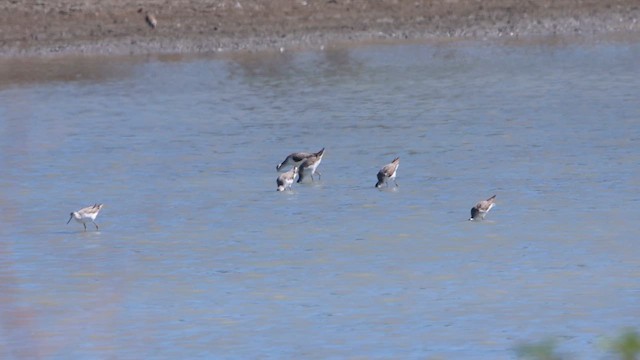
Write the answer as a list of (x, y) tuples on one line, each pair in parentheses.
[(198, 256)]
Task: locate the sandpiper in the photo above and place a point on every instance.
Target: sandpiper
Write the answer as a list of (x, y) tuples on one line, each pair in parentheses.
[(86, 215), (285, 180), (149, 18), (480, 210), (388, 172), (310, 166), (293, 159)]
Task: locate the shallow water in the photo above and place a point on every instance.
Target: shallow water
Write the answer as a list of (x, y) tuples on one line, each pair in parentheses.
[(199, 257)]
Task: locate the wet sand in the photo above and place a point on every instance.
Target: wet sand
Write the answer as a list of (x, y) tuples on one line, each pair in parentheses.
[(41, 27)]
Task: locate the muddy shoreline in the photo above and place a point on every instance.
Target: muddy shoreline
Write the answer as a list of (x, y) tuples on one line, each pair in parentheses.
[(94, 27)]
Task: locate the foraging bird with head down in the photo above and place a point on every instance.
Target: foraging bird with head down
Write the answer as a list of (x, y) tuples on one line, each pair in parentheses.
[(285, 180), (388, 172), (310, 165), (86, 215), (480, 210), (294, 159)]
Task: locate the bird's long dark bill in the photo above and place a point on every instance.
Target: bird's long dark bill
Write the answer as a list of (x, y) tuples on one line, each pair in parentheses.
[(70, 217)]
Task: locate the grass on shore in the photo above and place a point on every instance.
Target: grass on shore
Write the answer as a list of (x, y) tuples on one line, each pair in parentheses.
[(625, 346)]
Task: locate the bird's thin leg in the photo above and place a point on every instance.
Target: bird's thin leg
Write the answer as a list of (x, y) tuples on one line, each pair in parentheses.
[(95, 224), (85, 226), (396, 183), (319, 174)]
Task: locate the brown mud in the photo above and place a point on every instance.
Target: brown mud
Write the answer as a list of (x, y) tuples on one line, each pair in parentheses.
[(41, 27)]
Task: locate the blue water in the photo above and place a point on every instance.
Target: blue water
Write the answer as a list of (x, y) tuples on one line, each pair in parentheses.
[(198, 256)]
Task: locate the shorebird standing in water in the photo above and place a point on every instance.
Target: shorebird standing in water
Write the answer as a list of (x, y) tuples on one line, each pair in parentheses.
[(388, 172), (86, 215), (480, 210), (310, 166), (293, 159), (285, 180)]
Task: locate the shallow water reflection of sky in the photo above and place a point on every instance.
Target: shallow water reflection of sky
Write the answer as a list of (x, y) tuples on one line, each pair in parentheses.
[(199, 257)]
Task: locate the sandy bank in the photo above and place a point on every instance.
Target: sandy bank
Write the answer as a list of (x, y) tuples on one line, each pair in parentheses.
[(40, 27)]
